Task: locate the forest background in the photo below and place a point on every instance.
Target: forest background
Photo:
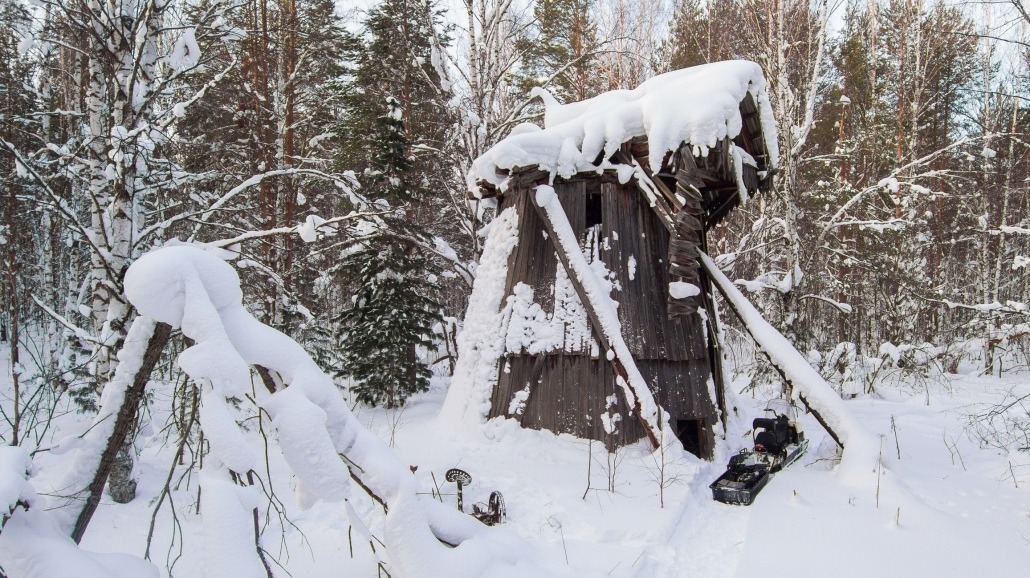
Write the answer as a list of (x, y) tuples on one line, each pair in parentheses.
[(325, 148)]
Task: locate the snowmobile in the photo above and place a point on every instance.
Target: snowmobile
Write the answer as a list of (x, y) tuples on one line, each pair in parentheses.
[(778, 442)]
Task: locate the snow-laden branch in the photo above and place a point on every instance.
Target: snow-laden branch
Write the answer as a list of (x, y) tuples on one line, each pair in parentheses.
[(15, 489), (861, 448), (346, 183), (308, 230), (860, 195), (79, 332), (1007, 308), (186, 287), (842, 307), (1009, 230), (874, 224), (79, 494)]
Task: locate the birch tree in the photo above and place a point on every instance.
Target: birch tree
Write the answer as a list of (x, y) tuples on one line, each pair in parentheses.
[(106, 173)]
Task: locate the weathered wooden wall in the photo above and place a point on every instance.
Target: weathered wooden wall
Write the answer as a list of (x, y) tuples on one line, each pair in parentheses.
[(568, 387), (568, 393)]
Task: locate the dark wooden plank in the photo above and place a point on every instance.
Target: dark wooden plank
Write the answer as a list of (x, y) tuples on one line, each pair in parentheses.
[(562, 404), (567, 387), (617, 362)]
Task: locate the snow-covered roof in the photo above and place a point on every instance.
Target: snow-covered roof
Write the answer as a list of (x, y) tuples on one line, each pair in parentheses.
[(698, 105)]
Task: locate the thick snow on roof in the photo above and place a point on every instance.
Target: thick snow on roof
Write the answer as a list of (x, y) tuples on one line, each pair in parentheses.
[(698, 105)]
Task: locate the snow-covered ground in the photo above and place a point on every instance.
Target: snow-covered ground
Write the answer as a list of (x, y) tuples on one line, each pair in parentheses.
[(947, 507)]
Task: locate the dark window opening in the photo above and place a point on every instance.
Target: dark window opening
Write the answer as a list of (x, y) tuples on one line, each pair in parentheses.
[(689, 433), (593, 210), (668, 180)]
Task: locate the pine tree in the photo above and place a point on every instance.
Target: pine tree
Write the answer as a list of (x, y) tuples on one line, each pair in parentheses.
[(391, 314), (271, 104), (702, 31), (392, 59), (565, 48)]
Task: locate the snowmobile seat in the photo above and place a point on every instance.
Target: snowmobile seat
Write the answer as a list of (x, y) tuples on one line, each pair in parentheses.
[(775, 433), (767, 440)]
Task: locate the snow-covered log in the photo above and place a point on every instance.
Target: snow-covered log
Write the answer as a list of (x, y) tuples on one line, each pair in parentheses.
[(861, 447)]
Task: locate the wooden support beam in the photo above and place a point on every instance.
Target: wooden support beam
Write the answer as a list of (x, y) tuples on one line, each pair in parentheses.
[(714, 341), (715, 215), (674, 201), (595, 324), (772, 361), (669, 203)]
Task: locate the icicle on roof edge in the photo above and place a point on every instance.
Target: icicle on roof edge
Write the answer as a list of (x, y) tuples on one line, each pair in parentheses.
[(698, 105)]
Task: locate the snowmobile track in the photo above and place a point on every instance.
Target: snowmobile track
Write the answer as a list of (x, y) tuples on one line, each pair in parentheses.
[(707, 539)]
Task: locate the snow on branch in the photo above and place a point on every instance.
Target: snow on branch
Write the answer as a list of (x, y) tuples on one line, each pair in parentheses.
[(1012, 230), (186, 287), (842, 307), (347, 183), (309, 230), (861, 447), (1007, 308), (890, 181), (79, 332)]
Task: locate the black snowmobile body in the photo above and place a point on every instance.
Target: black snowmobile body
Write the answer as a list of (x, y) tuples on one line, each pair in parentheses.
[(778, 442)]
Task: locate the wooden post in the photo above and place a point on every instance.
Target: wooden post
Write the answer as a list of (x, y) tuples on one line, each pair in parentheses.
[(714, 341), (780, 370)]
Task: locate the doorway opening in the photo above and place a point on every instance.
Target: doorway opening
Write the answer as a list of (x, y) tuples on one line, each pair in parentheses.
[(689, 433)]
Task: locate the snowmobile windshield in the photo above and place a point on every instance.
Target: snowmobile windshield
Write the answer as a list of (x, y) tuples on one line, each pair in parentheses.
[(781, 407)]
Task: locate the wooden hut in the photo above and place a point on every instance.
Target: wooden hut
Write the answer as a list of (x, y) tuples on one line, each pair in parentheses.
[(640, 225)]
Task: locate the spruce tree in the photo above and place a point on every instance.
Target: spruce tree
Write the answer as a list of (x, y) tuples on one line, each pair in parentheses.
[(271, 103), (391, 312), (703, 31)]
